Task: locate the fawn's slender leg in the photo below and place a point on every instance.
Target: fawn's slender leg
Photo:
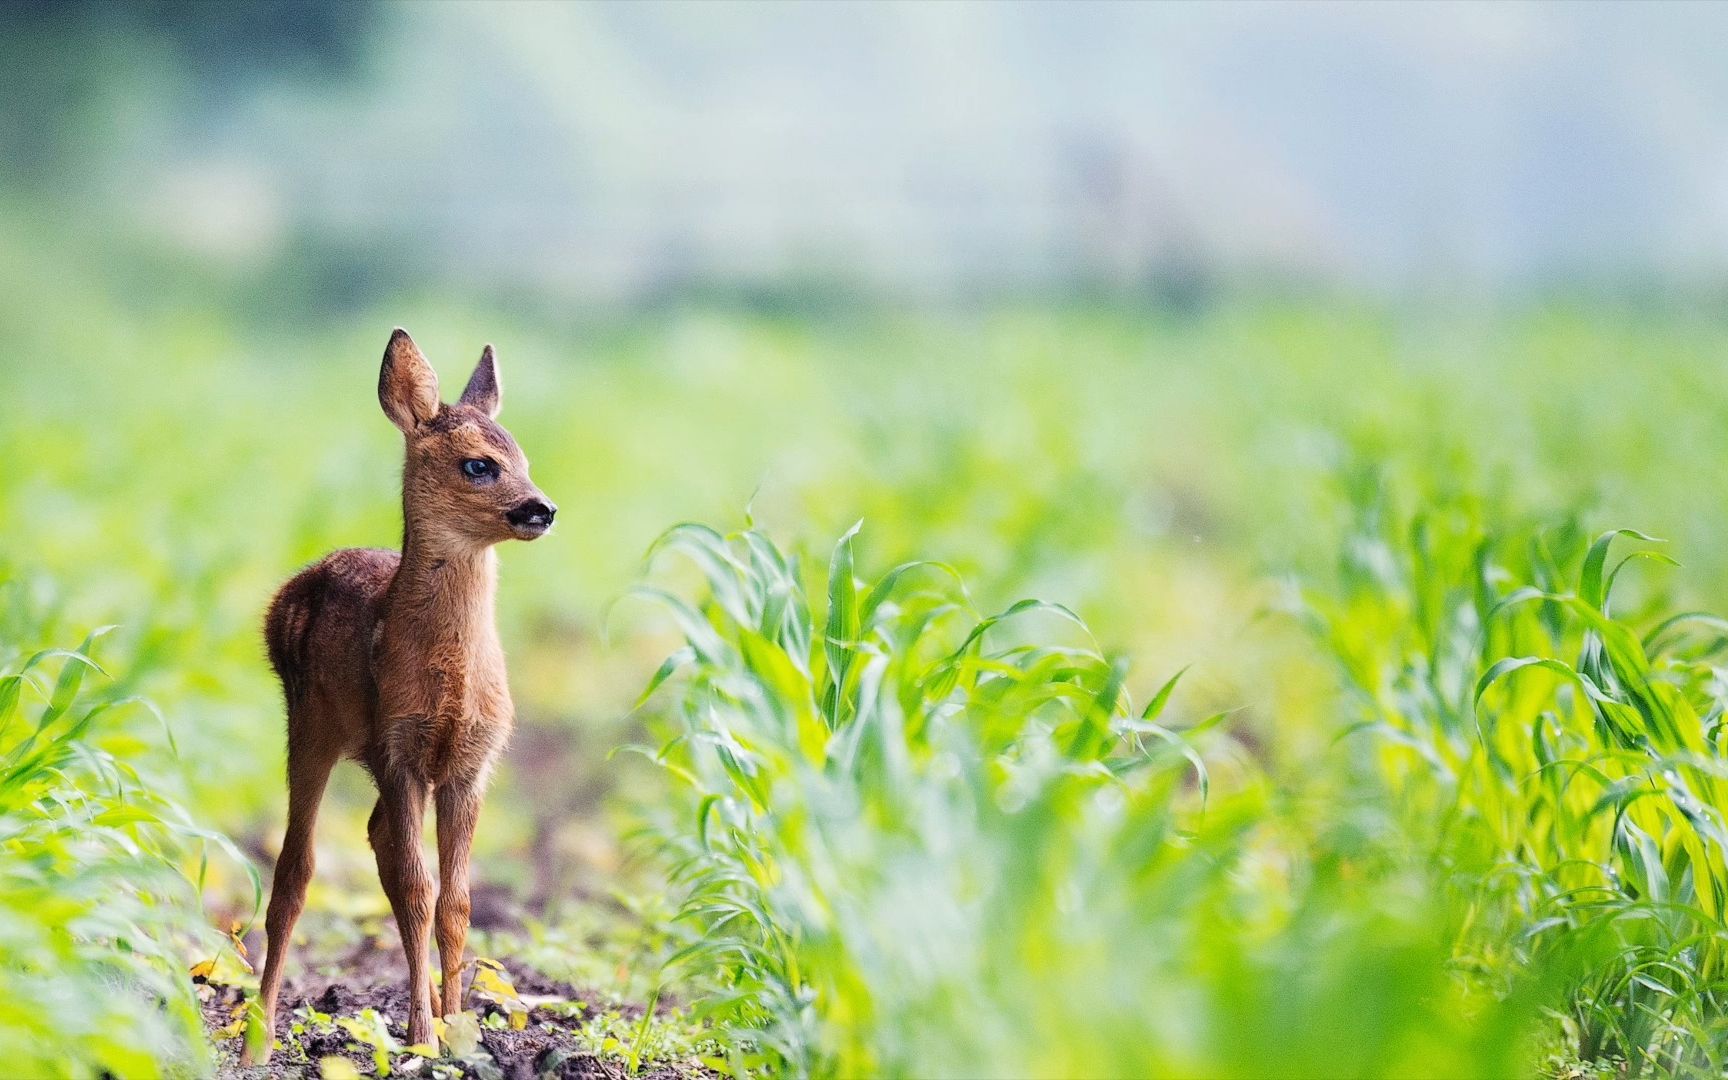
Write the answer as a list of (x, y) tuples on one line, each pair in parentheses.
[(395, 834), (375, 826), (458, 811), (308, 771)]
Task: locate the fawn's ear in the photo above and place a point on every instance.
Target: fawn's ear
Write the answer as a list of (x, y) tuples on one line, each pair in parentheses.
[(407, 385), (483, 391)]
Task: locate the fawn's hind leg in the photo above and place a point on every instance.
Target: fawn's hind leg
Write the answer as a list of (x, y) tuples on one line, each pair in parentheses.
[(308, 771)]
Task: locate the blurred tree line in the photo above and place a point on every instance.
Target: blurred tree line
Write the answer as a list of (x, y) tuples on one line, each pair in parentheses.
[(69, 68)]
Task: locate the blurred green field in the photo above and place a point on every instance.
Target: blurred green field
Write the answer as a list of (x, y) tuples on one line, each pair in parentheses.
[(1094, 538), (1229, 490)]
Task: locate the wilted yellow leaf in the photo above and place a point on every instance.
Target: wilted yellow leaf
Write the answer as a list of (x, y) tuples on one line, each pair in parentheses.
[(492, 984), (234, 933), (491, 980), (202, 969)]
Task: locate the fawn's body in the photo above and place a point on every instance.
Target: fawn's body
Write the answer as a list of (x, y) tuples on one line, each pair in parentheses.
[(392, 660)]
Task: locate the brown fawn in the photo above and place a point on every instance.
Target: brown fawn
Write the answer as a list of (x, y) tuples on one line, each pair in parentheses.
[(392, 659)]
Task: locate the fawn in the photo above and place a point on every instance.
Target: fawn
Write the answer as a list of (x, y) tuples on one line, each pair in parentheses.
[(393, 660)]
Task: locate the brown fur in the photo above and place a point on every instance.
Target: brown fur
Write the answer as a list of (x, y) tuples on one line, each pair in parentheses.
[(392, 660)]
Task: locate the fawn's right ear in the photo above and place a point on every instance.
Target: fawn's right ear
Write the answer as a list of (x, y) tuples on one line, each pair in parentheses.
[(407, 385)]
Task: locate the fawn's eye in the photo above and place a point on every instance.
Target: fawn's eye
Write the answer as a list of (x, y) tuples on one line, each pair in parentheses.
[(478, 468)]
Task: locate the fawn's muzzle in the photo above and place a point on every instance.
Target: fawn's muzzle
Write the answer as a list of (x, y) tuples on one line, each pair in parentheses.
[(532, 516)]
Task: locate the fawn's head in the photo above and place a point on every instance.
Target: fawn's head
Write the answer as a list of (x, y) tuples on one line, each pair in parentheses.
[(465, 482)]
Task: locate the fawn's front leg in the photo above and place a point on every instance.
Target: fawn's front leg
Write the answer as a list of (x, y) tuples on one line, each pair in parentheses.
[(458, 805), (395, 835)]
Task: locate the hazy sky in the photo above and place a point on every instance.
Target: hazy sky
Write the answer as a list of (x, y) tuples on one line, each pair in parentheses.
[(613, 148)]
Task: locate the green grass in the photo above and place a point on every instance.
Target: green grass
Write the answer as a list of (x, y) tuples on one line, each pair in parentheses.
[(911, 840), (97, 910), (1563, 759), (916, 841)]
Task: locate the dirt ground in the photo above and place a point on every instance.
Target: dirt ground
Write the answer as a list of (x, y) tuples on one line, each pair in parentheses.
[(373, 974)]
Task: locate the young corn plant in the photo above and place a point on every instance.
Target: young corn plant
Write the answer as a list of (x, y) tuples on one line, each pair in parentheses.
[(910, 840), (863, 784), (1564, 762), (97, 919)]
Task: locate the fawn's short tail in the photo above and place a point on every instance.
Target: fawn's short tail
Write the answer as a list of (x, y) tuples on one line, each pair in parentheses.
[(287, 626)]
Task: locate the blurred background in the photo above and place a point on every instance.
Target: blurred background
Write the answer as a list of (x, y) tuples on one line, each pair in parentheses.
[(1097, 302), (620, 155)]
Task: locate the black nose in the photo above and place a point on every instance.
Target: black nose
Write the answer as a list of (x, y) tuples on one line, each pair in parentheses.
[(534, 512)]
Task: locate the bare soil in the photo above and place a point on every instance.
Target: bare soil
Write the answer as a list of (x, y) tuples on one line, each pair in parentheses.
[(373, 974)]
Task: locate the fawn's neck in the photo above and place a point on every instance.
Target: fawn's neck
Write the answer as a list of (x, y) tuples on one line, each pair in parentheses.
[(446, 592)]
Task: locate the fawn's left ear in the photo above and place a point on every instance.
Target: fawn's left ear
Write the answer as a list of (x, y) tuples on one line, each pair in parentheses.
[(407, 385), (483, 391)]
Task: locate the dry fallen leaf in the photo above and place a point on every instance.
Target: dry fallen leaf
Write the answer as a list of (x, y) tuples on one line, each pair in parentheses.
[(491, 983), (234, 937)]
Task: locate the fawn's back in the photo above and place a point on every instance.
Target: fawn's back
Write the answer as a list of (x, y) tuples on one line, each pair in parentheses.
[(319, 633)]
